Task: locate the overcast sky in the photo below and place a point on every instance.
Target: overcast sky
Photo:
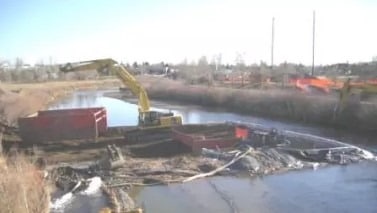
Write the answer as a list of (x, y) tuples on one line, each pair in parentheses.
[(170, 31)]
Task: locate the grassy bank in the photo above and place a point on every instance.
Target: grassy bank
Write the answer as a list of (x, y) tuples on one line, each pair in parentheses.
[(18, 100), (268, 103), (22, 188)]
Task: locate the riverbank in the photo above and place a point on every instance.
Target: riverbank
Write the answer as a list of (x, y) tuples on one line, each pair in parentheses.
[(277, 104), (22, 185), (19, 100)]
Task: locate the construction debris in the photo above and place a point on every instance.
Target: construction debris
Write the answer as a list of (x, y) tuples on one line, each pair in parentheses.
[(196, 151), (237, 157), (114, 158), (267, 152), (120, 201)]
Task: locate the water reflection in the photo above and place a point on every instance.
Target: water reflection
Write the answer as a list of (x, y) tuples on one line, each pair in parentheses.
[(124, 113), (119, 113), (332, 189)]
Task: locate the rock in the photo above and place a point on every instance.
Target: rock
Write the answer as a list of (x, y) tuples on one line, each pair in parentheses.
[(270, 159), (247, 163), (210, 153), (288, 160)]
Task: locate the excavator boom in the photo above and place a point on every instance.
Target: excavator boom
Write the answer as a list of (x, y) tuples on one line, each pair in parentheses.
[(147, 118), (135, 87)]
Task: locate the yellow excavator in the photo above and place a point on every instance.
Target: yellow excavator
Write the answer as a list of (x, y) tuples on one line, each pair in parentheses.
[(148, 119)]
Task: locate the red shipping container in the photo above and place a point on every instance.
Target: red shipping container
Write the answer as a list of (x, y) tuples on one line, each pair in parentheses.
[(65, 124), (205, 136)]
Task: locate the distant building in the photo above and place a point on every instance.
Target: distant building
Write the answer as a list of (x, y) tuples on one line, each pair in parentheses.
[(5, 66), (26, 66)]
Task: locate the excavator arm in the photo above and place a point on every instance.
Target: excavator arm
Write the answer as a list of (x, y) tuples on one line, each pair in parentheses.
[(109, 65), (135, 87), (147, 118)]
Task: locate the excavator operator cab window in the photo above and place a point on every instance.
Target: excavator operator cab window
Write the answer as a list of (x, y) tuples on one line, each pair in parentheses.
[(153, 116), (149, 118), (141, 118)]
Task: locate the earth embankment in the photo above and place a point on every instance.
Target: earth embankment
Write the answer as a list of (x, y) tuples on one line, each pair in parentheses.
[(19, 100), (272, 103)]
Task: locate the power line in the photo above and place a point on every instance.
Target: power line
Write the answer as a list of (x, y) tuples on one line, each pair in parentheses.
[(272, 42), (313, 42)]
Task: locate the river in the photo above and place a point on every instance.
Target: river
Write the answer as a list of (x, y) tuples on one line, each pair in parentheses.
[(351, 188)]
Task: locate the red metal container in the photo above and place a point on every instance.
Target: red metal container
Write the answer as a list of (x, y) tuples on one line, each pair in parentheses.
[(65, 124), (242, 132), (211, 136)]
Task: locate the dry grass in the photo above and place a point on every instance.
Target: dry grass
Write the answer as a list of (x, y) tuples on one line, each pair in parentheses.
[(22, 188), (18, 100), (63, 84), (268, 103)]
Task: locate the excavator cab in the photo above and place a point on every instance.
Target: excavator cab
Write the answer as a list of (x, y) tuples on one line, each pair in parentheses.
[(161, 119)]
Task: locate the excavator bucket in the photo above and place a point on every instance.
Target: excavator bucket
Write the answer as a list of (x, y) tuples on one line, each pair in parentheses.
[(114, 158)]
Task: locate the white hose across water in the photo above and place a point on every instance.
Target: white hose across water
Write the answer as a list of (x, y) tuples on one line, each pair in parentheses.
[(365, 154)]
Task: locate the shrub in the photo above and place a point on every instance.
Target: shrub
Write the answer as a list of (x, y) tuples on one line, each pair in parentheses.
[(22, 188), (269, 103)]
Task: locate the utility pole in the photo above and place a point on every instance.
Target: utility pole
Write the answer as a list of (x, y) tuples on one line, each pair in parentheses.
[(313, 42), (272, 42)]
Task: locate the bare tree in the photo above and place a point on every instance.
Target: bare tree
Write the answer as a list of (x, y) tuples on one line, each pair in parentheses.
[(374, 58), (203, 62), (204, 71), (184, 62), (239, 61), (18, 63), (135, 65), (218, 61)]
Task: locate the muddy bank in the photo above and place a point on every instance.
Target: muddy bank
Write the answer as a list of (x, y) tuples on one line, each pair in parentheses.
[(18, 100), (276, 104)]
